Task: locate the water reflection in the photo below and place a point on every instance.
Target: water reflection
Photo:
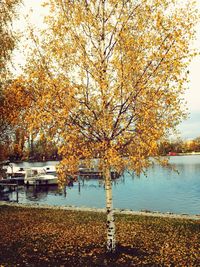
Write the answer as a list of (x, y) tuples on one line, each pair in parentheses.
[(162, 190), (39, 193)]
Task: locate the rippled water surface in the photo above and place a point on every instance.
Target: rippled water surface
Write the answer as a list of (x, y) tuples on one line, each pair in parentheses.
[(162, 190)]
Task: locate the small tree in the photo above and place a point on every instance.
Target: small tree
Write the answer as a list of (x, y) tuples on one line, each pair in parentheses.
[(107, 80)]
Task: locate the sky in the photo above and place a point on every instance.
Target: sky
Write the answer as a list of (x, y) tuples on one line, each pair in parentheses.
[(190, 128)]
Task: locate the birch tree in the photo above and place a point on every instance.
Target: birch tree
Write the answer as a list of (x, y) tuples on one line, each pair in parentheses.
[(107, 80)]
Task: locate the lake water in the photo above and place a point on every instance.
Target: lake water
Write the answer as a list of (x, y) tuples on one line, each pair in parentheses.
[(162, 190)]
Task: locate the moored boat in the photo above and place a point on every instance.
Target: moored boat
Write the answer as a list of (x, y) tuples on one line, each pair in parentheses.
[(40, 176)]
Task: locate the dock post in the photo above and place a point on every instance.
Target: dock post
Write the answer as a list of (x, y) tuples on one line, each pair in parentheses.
[(79, 187), (65, 190), (17, 194)]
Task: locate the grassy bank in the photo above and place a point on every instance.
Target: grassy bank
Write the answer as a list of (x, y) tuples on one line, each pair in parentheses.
[(48, 237)]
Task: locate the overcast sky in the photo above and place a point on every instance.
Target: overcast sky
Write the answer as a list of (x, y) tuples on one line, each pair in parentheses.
[(189, 128)]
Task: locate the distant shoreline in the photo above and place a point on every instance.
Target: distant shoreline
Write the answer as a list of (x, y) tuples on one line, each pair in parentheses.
[(167, 155), (182, 154)]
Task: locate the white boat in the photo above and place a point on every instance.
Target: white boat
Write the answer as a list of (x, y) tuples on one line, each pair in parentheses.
[(14, 171), (41, 176), (50, 169)]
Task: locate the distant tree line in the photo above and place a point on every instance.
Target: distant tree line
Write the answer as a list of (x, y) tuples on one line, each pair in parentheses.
[(23, 146), (180, 146), (28, 147)]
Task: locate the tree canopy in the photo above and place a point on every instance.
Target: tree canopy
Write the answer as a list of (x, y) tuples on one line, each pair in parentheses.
[(7, 36), (108, 76)]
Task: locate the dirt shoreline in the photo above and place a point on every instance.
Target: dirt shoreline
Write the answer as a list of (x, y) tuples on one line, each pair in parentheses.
[(117, 211)]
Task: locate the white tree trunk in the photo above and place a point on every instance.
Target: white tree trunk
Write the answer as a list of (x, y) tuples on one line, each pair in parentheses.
[(111, 243)]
